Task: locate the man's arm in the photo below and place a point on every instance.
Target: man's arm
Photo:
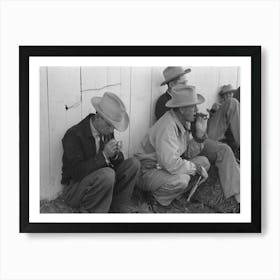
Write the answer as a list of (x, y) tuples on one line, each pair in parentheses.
[(166, 145)]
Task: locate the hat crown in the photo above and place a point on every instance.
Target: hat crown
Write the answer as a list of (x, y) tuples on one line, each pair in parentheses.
[(172, 72), (112, 106), (227, 88), (184, 95)]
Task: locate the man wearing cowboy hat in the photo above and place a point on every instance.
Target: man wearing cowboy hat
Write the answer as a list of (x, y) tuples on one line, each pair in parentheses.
[(173, 76), (225, 116), (170, 156), (94, 172)]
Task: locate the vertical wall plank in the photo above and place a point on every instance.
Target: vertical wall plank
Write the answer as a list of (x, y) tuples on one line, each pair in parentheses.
[(238, 78), (228, 75), (124, 94), (93, 81), (121, 75), (140, 105), (157, 90), (64, 88), (206, 80), (44, 135)]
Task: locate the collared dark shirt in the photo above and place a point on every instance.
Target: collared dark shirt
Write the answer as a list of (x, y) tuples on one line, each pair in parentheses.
[(160, 105), (79, 156)]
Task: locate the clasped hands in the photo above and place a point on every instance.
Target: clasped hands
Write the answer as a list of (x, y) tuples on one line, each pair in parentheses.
[(112, 148)]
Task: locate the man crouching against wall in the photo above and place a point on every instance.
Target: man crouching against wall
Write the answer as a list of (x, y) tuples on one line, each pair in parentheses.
[(170, 156), (97, 179)]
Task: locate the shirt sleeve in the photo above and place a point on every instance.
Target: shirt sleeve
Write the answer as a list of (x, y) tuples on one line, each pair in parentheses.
[(193, 148), (166, 144)]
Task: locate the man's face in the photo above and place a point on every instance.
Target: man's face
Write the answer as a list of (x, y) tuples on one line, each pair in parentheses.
[(188, 112), (181, 80), (103, 126), (226, 96)]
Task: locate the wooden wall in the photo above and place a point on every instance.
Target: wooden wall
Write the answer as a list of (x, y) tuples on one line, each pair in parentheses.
[(138, 87)]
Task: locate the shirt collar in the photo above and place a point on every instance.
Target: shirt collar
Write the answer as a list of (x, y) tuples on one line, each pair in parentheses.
[(94, 132), (181, 127)]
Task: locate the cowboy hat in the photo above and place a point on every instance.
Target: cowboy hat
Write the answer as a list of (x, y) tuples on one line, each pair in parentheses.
[(226, 89), (184, 95), (112, 109), (171, 73)]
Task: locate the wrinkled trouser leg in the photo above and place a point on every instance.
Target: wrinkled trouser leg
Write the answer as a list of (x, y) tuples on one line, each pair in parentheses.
[(164, 186), (127, 174), (94, 193), (202, 160), (222, 156), (228, 115)]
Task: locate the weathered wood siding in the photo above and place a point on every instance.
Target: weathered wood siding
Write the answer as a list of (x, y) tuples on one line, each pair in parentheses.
[(65, 94)]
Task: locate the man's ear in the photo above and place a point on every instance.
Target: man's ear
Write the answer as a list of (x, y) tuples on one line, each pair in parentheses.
[(181, 110)]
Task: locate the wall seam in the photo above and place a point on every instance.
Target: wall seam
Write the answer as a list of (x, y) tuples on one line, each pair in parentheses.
[(81, 93), (130, 78), (49, 129)]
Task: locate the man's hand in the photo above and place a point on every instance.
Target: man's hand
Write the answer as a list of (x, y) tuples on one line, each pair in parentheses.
[(202, 172), (111, 148), (200, 127)]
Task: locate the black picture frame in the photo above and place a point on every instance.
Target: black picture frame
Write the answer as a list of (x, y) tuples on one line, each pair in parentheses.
[(254, 52)]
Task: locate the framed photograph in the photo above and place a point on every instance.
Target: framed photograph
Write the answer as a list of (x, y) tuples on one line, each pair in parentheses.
[(140, 138)]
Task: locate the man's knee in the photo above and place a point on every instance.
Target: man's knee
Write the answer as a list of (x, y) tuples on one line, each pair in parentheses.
[(202, 160), (104, 178), (109, 177), (225, 150), (133, 164), (205, 163)]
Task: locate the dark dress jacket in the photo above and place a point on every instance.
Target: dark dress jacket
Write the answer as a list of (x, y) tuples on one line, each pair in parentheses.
[(79, 156), (160, 105)]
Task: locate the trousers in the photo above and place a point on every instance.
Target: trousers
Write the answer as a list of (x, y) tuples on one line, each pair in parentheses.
[(104, 189), (166, 187), (227, 116)]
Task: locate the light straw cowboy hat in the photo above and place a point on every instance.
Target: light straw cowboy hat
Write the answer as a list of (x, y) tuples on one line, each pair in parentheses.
[(112, 109), (171, 73), (184, 95), (226, 89)]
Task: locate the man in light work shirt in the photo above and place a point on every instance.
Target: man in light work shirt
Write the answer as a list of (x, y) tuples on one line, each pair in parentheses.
[(170, 155)]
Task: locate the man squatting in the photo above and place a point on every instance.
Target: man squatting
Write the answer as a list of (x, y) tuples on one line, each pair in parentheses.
[(170, 154), (96, 176)]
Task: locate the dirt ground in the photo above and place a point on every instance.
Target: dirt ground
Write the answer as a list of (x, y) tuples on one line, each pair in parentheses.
[(207, 199)]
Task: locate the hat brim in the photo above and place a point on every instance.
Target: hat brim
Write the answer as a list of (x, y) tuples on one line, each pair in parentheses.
[(232, 90), (172, 104), (181, 74), (120, 126)]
